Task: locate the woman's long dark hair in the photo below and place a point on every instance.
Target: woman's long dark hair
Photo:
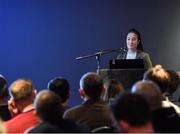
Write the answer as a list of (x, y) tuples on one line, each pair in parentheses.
[(133, 30)]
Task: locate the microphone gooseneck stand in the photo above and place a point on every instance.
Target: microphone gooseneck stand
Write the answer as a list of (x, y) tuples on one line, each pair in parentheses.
[(98, 55)]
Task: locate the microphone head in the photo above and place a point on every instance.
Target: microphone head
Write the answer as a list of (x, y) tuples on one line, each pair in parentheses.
[(124, 48)]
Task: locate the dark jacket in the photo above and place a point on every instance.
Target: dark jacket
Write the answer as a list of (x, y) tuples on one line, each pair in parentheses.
[(166, 120), (92, 113), (60, 126)]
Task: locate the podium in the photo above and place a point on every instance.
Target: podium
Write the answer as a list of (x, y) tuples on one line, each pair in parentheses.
[(126, 76)]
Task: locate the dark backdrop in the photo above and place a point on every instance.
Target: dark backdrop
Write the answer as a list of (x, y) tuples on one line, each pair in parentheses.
[(40, 39)]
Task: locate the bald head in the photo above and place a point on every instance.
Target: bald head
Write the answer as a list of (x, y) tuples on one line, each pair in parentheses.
[(151, 91), (21, 90)]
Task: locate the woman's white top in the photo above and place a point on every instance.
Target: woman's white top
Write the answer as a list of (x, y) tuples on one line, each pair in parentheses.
[(131, 55)]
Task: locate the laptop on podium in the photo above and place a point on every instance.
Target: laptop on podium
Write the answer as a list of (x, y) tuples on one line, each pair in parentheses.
[(126, 64)]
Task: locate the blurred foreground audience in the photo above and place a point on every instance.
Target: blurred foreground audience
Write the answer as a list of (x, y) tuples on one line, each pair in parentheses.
[(132, 114), (49, 109), (163, 79), (164, 119), (106, 107)]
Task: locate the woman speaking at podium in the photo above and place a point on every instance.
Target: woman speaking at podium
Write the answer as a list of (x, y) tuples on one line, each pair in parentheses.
[(135, 49)]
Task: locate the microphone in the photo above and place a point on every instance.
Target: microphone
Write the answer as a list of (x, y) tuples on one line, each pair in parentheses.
[(78, 58), (102, 52), (123, 48)]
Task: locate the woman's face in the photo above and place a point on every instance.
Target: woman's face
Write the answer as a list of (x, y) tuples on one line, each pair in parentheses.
[(132, 41)]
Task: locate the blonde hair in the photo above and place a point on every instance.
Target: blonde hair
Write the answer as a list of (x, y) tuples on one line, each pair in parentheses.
[(160, 72), (158, 75)]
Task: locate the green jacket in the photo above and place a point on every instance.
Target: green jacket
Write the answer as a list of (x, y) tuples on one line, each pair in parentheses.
[(140, 55)]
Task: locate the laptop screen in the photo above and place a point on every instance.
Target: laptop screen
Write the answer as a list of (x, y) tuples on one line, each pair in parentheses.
[(126, 64)]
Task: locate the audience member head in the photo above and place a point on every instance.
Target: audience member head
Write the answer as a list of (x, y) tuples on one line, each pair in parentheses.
[(132, 113), (22, 95), (91, 86), (158, 75), (61, 87), (22, 90), (4, 110), (174, 82), (48, 106), (150, 91), (3, 88), (113, 89)]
